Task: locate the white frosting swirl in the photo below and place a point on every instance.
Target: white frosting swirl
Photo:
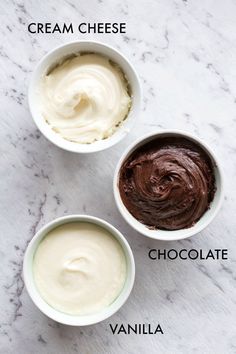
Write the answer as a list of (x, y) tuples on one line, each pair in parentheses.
[(85, 98), (79, 268)]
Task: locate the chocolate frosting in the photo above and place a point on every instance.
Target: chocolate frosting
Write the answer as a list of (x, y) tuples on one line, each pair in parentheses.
[(167, 183)]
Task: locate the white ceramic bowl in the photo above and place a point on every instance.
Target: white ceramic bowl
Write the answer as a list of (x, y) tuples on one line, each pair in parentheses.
[(60, 316), (167, 235), (57, 55)]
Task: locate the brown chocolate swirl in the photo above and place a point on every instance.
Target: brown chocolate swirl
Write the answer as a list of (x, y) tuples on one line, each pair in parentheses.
[(168, 183)]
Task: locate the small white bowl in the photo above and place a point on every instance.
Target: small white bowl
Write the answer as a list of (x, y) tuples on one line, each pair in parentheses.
[(76, 320), (169, 235), (55, 56)]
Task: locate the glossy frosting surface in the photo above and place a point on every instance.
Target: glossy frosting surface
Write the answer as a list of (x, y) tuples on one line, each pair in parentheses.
[(85, 98), (167, 183), (79, 268)]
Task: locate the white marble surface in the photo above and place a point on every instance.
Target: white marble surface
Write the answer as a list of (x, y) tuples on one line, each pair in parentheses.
[(185, 53)]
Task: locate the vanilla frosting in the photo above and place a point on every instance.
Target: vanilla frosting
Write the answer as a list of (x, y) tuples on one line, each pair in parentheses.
[(79, 268), (85, 98)]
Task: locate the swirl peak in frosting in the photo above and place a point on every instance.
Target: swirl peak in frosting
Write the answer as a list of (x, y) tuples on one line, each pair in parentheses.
[(85, 98), (167, 183)]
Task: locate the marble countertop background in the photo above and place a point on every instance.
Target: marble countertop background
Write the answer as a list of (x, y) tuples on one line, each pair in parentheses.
[(185, 53)]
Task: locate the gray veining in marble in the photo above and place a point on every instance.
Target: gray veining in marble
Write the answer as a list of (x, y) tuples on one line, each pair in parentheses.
[(185, 53)]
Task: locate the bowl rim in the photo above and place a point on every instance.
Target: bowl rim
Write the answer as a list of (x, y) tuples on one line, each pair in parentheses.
[(58, 316), (120, 133), (167, 235)]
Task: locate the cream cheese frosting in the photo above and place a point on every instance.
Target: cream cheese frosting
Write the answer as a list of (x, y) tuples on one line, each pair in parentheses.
[(85, 98), (79, 268)]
